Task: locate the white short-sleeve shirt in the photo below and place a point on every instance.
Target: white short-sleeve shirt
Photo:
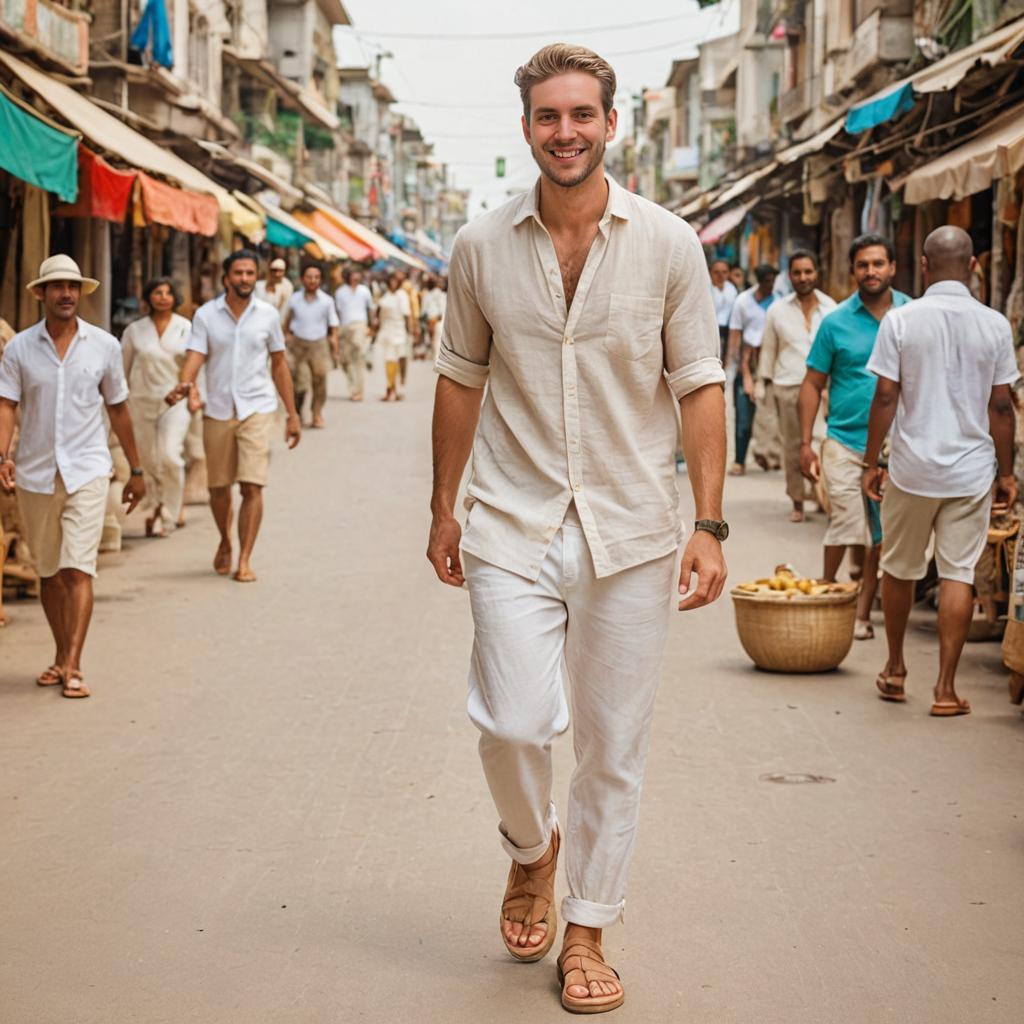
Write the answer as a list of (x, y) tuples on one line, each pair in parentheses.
[(947, 351), (354, 305), (238, 381), (748, 316), (724, 299), (311, 319), (62, 424)]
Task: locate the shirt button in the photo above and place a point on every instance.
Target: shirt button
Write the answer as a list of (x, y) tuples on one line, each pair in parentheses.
[(568, 339), (577, 487)]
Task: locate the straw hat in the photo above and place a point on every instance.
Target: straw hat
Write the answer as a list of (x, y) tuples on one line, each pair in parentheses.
[(278, 264), (63, 268)]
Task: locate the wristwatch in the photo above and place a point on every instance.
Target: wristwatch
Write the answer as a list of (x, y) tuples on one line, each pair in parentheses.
[(136, 471), (718, 528)]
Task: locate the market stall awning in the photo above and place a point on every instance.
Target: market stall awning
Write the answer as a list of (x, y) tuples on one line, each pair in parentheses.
[(323, 225), (284, 189), (714, 231), (36, 150), (998, 152), (103, 191), (745, 184), (284, 230), (110, 134), (386, 249), (897, 98), (191, 212)]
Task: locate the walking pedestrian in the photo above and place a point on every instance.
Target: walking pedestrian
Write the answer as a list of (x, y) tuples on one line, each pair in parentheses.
[(723, 295), (839, 358), (232, 336), (62, 373), (276, 288), (945, 364), (153, 350), (394, 316), (571, 548), (746, 326), (434, 303), (311, 330), (354, 303), (412, 335), (737, 277), (789, 329)]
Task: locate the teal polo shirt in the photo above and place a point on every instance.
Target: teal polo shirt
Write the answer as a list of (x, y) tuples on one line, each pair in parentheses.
[(841, 350)]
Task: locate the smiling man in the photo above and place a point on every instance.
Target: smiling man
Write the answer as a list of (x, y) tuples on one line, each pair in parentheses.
[(588, 312)]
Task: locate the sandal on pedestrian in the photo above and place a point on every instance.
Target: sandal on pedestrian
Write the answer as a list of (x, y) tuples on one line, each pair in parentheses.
[(863, 630), (525, 891), (949, 708), (888, 690), (584, 957), (74, 686), (50, 677)]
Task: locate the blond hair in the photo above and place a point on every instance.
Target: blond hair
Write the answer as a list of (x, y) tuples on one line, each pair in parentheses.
[(562, 59)]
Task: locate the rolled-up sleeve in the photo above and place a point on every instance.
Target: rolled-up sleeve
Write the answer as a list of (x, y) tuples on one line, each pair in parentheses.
[(10, 374), (465, 352), (690, 337)]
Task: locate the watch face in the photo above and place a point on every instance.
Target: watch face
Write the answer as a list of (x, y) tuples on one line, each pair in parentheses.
[(723, 531)]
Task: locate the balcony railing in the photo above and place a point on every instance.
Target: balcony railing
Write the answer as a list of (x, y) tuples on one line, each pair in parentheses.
[(878, 39), (48, 28)]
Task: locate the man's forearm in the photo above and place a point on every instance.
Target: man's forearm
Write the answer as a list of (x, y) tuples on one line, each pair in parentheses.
[(282, 378), (883, 411), (808, 401), (191, 367), (8, 415), (703, 413), (456, 412), (121, 422), (1002, 427)]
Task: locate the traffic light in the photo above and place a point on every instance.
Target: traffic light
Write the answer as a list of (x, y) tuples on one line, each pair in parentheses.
[(499, 167)]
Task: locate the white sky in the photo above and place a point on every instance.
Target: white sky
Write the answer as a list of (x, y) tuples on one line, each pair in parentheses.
[(476, 117)]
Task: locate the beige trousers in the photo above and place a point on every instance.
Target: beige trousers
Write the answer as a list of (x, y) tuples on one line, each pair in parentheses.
[(160, 434), (764, 440), (310, 361), (788, 413), (355, 339)]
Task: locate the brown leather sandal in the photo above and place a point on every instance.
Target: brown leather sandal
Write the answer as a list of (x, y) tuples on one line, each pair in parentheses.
[(50, 677), (74, 686), (523, 893), (581, 956), (889, 690)]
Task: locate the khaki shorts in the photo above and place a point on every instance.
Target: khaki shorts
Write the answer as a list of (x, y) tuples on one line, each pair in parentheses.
[(64, 530), (841, 473), (238, 451), (908, 521)]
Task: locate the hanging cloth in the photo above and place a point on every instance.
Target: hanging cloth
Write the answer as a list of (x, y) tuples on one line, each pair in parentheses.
[(153, 34), (191, 212), (36, 150), (103, 191)]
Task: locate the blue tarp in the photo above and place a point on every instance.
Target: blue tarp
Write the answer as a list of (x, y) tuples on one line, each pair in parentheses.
[(284, 236), (879, 110), (38, 153), (153, 33)]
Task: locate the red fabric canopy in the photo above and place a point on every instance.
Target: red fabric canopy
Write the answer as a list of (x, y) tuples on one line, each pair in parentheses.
[(192, 212), (103, 191)]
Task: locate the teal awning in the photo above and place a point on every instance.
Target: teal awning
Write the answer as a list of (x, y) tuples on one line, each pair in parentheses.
[(880, 109), (285, 236), (37, 151)]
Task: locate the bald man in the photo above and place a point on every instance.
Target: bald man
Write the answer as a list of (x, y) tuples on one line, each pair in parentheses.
[(945, 364)]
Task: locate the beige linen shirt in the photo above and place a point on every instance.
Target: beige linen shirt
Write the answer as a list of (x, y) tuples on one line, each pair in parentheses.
[(581, 403), (787, 339)]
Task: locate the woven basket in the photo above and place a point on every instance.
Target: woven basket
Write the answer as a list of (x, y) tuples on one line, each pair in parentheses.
[(795, 634)]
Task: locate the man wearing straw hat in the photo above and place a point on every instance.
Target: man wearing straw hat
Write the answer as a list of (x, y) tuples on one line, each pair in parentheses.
[(62, 372)]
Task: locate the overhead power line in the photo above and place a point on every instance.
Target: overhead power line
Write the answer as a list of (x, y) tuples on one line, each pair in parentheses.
[(550, 33)]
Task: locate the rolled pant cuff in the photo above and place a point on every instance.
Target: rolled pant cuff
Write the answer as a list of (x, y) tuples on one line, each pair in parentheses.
[(528, 854), (592, 915)]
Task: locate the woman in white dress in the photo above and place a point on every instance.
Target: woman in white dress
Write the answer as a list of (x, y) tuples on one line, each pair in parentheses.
[(153, 349), (435, 302), (394, 326)]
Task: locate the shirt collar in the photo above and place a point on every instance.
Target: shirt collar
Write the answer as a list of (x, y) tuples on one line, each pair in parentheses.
[(617, 206), (949, 288), (44, 334)]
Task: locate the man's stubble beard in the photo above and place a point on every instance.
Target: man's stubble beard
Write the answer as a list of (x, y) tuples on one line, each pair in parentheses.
[(595, 162)]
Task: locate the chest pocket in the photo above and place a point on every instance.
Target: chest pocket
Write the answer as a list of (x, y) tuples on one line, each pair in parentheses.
[(634, 325), (85, 389)]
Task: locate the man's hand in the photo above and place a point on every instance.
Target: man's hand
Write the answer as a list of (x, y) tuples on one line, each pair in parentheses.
[(873, 482), (1004, 495), (134, 491), (7, 476), (293, 430), (760, 392), (443, 550), (810, 467), (178, 392), (748, 387), (703, 555)]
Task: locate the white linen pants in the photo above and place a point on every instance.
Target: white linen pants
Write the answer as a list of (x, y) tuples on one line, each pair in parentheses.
[(160, 433), (604, 638)]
